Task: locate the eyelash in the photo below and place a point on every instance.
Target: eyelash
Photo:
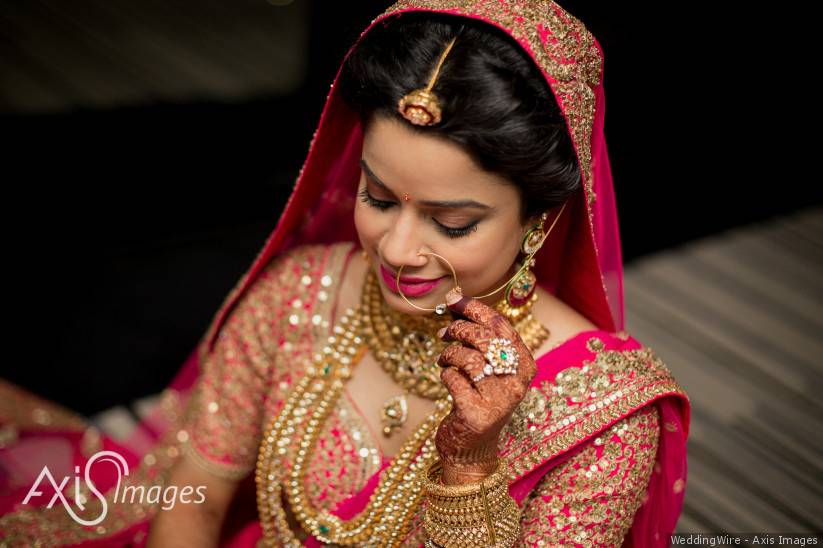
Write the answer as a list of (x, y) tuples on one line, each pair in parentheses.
[(383, 205)]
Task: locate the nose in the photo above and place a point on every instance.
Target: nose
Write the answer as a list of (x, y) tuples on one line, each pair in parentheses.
[(401, 244)]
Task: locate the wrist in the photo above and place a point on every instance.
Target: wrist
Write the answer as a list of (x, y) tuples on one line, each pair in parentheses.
[(468, 465), (457, 474)]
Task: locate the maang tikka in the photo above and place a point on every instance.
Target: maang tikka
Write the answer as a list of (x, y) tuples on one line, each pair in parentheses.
[(421, 106)]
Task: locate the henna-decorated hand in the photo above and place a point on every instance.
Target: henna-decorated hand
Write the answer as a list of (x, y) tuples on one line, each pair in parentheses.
[(467, 438)]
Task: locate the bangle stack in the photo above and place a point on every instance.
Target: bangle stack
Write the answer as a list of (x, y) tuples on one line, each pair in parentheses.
[(471, 515)]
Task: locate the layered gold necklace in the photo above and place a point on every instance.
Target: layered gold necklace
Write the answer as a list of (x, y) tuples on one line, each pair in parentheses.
[(288, 442), (297, 426), (407, 347)]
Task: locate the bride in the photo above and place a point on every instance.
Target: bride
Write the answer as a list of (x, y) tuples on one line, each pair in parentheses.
[(429, 349)]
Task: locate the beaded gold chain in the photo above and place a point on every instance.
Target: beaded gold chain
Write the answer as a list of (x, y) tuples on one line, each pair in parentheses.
[(391, 506)]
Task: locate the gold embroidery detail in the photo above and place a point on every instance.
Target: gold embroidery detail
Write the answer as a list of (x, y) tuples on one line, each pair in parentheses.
[(595, 344), (582, 401), (592, 497)]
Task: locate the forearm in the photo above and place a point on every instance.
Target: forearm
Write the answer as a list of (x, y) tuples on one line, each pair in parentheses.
[(186, 525)]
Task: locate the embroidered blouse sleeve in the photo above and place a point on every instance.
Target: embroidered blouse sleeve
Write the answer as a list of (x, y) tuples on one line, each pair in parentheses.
[(591, 498), (227, 408)]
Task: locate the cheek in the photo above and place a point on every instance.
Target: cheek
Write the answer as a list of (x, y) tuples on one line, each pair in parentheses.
[(367, 224), (484, 260)]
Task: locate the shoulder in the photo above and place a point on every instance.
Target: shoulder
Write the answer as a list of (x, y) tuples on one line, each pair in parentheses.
[(279, 292), (300, 269)]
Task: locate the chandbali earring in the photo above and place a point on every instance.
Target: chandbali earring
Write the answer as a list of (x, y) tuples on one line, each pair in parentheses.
[(519, 288)]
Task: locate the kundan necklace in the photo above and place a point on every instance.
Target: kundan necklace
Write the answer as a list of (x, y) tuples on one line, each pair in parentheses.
[(407, 348)]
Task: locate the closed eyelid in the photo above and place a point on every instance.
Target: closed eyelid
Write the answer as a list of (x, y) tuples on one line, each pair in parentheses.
[(457, 218), (436, 204)]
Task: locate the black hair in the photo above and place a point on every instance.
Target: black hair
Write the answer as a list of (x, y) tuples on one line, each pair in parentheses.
[(495, 102)]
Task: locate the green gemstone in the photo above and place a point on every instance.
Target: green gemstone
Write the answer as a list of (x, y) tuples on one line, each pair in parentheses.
[(326, 370), (503, 354), (324, 529)]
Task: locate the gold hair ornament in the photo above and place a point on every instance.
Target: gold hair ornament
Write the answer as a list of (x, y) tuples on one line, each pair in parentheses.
[(421, 107)]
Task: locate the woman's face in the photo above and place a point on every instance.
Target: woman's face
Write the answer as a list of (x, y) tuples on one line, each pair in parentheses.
[(480, 233)]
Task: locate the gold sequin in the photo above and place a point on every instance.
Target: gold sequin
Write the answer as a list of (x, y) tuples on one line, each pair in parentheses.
[(592, 497), (583, 400)]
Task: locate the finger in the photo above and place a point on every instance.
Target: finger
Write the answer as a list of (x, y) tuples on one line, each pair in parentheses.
[(460, 388), (526, 369), (470, 362), (482, 314), (469, 333)]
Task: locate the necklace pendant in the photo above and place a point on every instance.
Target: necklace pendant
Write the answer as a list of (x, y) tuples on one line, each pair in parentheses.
[(394, 414)]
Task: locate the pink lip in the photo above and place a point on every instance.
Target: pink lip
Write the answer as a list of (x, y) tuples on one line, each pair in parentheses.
[(410, 286)]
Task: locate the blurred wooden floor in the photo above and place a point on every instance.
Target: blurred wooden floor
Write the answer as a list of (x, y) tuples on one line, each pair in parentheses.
[(738, 317)]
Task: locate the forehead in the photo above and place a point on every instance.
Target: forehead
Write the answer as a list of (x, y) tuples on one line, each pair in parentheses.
[(407, 160)]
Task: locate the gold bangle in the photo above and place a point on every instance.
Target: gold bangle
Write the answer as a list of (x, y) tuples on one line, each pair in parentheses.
[(474, 514), (500, 475)]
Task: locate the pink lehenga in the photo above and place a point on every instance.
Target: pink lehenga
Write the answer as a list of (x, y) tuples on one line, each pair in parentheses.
[(597, 447)]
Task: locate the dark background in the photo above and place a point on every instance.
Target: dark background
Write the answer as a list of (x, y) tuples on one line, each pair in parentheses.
[(149, 149)]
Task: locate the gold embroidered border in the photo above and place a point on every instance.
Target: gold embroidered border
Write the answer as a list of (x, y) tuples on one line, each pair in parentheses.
[(591, 425)]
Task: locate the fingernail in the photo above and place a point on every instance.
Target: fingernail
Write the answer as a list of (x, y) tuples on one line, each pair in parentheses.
[(441, 332), (452, 297)]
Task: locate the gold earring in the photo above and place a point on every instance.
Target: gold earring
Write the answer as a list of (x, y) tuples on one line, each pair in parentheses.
[(520, 289)]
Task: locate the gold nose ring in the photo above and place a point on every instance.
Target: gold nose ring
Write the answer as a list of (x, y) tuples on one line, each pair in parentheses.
[(441, 308)]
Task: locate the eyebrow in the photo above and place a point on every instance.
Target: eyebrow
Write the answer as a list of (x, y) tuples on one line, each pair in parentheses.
[(431, 203)]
